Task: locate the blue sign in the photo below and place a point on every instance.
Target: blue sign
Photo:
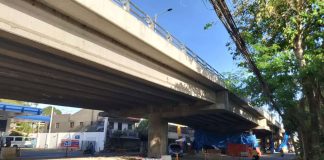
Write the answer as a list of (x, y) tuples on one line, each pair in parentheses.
[(77, 137), (67, 143)]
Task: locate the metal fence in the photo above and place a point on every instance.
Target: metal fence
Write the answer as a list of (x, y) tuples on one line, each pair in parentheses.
[(123, 133), (148, 21)]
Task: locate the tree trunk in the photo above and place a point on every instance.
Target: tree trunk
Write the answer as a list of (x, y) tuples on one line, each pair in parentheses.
[(303, 145), (314, 132), (313, 135), (297, 152)]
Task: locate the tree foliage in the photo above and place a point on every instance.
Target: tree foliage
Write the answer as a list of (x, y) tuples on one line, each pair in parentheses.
[(285, 38), (142, 130), (24, 127), (17, 102), (16, 133), (47, 111)]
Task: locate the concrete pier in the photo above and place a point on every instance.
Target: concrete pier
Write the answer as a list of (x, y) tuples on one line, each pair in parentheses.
[(157, 136)]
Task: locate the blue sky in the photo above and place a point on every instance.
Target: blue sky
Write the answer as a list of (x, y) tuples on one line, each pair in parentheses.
[(186, 22), (64, 109)]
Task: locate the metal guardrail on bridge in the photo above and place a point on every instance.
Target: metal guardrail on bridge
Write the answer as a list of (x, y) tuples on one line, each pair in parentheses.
[(147, 20), (130, 7)]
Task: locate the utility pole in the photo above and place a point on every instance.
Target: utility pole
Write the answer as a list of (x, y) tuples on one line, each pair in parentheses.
[(50, 128)]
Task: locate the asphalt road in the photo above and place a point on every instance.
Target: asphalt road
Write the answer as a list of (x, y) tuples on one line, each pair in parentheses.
[(33, 154)]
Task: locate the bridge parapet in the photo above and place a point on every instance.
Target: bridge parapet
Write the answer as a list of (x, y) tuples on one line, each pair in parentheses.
[(144, 36), (148, 21)]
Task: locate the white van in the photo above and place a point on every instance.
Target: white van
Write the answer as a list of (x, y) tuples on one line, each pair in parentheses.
[(19, 141)]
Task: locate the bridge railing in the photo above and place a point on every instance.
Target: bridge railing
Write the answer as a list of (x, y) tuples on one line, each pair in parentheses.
[(148, 21)]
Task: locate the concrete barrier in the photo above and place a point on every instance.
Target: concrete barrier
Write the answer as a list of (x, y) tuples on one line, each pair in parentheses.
[(8, 153)]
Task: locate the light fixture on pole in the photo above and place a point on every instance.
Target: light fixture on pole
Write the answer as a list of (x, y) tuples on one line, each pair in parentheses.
[(158, 14)]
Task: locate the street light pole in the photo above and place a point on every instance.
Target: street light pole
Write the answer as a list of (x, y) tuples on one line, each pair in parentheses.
[(50, 128), (158, 14)]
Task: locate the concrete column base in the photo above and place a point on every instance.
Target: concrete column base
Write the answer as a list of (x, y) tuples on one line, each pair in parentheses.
[(157, 136)]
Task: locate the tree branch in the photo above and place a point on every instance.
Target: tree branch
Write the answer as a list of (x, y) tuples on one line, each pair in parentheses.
[(225, 16)]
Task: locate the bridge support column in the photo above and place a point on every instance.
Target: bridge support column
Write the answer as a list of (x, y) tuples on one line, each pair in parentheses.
[(157, 136)]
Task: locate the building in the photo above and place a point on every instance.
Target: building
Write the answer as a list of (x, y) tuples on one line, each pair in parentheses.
[(122, 127), (120, 133), (87, 120)]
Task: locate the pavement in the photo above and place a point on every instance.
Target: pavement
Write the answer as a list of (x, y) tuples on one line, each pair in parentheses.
[(275, 156), (47, 153), (59, 154)]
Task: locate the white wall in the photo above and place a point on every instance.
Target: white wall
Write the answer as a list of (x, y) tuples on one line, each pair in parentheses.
[(115, 126), (124, 126), (54, 139), (174, 135)]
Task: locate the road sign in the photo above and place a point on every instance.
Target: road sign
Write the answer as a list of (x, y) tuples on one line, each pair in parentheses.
[(74, 143), (67, 143)]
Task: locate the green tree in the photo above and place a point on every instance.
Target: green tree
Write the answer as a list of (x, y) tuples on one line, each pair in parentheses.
[(142, 130), (16, 133), (47, 111), (285, 38), (10, 101), (24, 127)]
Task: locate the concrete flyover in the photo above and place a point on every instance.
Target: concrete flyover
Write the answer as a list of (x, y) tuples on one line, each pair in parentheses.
[(95, 54)]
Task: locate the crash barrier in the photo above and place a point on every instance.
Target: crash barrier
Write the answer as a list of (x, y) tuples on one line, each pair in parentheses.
[(163, 157), (9, 153)]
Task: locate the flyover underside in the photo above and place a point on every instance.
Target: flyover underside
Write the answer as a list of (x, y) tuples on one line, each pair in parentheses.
[(47, 57), (218, 121), (63, 44), (30, 74), (213, 118)]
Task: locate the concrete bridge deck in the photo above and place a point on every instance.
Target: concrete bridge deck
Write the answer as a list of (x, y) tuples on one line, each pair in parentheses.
[(95, 54)]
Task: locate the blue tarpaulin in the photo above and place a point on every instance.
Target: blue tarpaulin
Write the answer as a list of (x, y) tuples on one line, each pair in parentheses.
[(284, 142), (272, 147), (203, 138), (35, 118)]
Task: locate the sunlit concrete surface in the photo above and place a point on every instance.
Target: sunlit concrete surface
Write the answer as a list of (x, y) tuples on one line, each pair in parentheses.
[(95, 54), (106, 59)]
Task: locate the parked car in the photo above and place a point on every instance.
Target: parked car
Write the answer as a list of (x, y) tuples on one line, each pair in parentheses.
[(175, 149), (19, 141)]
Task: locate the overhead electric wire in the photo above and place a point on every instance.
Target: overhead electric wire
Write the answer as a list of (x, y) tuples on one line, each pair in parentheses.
[(226, 18)]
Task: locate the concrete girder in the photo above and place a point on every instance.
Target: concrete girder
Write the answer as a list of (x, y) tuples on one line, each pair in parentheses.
[(65, 93), (219, 118), (166, 111), (38, 97), (38, 57), (47, 83), (138, 36), (100, 47), (39, 71), (81, 45), (217, 126), (242, 112)]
